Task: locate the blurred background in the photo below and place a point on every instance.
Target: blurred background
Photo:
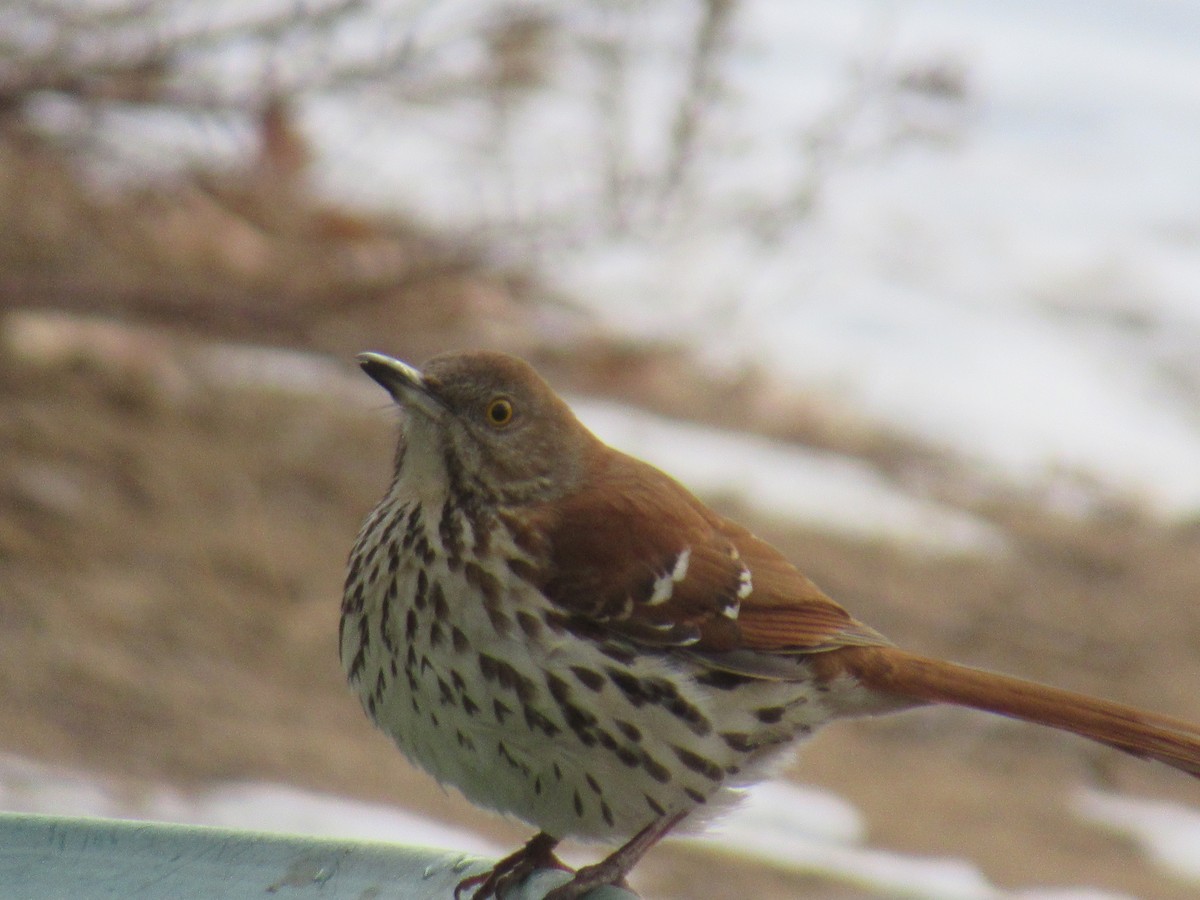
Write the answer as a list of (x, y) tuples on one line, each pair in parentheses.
[(913, 289)]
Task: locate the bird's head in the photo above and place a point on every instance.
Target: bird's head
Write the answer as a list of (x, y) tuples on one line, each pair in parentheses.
[(484, 422)]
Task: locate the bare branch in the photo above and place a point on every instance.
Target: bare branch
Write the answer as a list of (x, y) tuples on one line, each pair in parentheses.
[(703, 86)]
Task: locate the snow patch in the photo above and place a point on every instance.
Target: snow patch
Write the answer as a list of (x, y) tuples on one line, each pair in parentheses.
[(1168, 833)]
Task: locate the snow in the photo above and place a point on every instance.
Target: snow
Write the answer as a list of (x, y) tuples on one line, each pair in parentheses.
[(30, 787), (1168, 833), (1018, 285), (1008, 269), (782, 825), (789, 483), (799, 829)]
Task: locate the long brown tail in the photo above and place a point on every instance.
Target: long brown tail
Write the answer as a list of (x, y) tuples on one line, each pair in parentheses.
[(907, 675)]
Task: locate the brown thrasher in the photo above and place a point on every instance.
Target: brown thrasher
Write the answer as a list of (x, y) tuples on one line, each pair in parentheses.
[(567, 635)]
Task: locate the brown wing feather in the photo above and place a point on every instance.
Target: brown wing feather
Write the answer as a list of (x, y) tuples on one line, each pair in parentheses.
[(614, 538), (785, 611)]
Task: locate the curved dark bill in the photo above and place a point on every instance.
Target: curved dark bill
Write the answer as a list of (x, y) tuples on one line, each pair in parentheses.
[(405, 383)]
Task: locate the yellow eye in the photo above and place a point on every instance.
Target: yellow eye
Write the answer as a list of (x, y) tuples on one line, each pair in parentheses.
[(499, 412)]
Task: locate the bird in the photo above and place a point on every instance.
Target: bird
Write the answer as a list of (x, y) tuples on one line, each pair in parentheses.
[(568, 636)]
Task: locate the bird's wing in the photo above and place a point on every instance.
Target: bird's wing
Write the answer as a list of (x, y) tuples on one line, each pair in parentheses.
[(634, 555)]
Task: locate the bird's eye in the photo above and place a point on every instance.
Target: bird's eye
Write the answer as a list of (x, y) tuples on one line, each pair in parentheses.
[(499, 412)]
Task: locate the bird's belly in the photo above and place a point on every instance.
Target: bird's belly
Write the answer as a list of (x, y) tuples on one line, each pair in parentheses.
[(576, 738)]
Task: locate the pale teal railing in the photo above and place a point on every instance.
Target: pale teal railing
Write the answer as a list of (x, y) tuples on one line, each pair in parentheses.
[(57, 858)]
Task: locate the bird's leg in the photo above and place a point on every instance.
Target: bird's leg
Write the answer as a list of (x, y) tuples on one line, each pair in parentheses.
[(514, 868), (614, 867)]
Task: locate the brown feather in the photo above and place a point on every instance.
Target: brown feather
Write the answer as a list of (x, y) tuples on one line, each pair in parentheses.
[(628, 525), (786, 612)]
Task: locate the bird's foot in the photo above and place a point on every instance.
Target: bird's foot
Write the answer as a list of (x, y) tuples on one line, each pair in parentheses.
[(512, 870), (614, 867)]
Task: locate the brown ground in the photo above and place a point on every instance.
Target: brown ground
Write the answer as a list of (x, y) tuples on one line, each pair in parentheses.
[(170, 567)]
